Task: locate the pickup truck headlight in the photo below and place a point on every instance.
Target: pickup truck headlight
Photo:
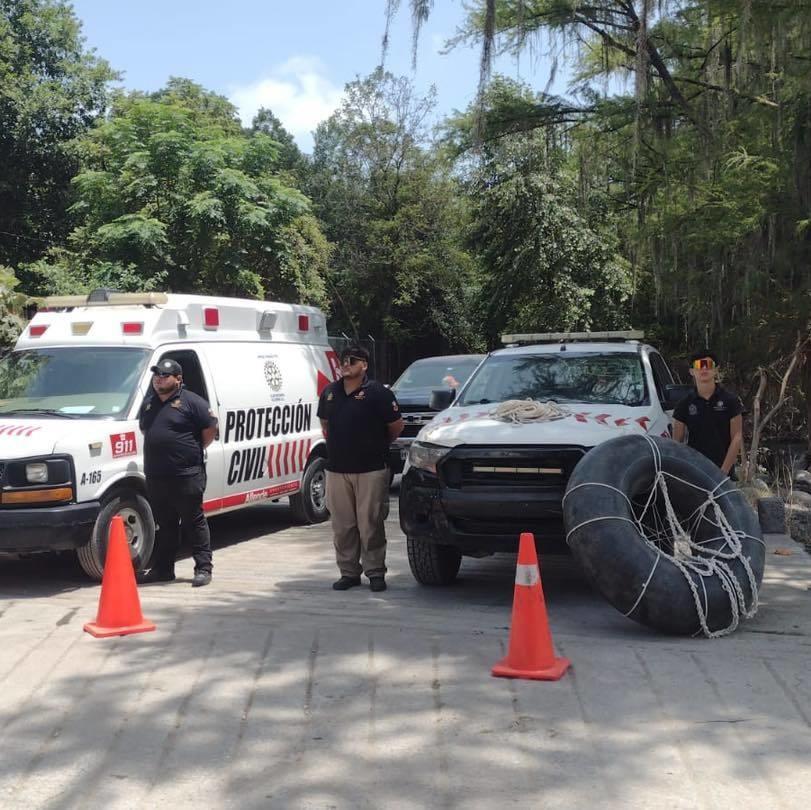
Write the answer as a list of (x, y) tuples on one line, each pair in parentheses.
[(426, 456), (36, 473)]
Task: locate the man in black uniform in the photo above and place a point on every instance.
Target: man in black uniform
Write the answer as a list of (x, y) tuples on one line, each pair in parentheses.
[(711, 415), (178, 425), (360, 419)]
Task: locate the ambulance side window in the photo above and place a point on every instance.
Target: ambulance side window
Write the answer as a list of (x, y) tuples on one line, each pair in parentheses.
[(192, 373)]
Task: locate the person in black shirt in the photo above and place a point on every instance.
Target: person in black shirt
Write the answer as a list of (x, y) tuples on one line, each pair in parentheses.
[(710, 416), (360, 419), (178, 425)]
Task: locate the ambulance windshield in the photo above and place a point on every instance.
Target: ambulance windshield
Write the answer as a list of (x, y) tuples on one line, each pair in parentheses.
[(607, 379), (92, 382)]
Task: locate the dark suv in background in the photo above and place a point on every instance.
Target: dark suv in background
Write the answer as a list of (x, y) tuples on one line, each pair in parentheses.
[(413, 391)]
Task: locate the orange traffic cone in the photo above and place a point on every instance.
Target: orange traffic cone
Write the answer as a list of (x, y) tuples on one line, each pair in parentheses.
[(119, 607), (530, 654)]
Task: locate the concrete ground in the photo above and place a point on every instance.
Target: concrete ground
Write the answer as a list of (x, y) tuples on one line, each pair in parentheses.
[(268, 689)]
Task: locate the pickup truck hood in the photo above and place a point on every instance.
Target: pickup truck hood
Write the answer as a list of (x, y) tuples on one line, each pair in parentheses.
[(584, 426)]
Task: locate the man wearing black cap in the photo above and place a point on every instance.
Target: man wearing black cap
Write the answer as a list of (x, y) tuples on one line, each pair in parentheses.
[(360, 419), (710, 416), (178, 425)]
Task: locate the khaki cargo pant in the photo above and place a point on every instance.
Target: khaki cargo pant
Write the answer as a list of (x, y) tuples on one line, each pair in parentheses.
[(359, 506)]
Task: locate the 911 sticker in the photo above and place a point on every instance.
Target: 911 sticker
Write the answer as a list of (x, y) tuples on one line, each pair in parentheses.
[(123, 444)]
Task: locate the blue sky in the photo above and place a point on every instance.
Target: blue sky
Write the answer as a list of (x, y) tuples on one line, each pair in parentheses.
[(294, 57)]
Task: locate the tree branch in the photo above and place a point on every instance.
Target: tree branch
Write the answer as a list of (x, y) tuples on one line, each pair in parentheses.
[(706, 85)]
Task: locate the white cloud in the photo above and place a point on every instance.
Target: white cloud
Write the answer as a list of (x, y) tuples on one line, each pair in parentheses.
[(297, 91)]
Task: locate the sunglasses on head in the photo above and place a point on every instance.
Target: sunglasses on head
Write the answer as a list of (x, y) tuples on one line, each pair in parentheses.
[(351, 360), (704, 362)]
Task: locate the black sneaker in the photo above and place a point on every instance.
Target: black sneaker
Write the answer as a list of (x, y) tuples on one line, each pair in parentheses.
[(154, 575), (377, 584), (345, 583), (201, 578)]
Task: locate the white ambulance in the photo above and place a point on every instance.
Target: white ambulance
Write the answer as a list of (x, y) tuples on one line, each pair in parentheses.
[(70, 391)]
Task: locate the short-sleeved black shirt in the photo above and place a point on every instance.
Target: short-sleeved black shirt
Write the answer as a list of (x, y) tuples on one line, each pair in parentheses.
[(708, 421), (357, 438), (173, 433)]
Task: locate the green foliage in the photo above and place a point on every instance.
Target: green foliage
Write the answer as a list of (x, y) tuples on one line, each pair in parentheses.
[(702, 157), (12, 305), (51, 91), (290, 158), (550, 257), (173, 192)]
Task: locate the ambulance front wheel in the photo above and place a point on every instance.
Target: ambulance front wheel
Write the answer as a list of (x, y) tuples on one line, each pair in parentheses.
[(309, 505), (139, 526)]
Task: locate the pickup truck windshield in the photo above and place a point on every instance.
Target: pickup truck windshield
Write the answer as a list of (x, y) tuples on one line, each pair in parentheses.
[(437, 372), (608, 379), (86, 381)]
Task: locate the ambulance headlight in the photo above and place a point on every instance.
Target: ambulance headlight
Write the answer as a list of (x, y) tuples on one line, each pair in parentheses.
[(36, 473), (426, 456)]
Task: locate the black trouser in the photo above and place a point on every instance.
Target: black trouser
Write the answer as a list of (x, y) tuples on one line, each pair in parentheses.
[(177, 505)]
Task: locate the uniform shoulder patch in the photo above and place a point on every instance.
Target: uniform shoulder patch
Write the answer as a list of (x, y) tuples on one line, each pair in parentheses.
[(330, 396), (394, 405)]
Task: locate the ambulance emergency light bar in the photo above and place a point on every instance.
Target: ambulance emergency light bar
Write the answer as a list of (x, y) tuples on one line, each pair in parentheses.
[(564, 337), (110, 300)]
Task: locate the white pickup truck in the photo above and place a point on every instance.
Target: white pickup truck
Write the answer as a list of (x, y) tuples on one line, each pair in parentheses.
[(472, 482)]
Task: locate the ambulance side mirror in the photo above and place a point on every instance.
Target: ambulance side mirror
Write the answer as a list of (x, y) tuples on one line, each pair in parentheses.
[(674, 394), (442, 399)]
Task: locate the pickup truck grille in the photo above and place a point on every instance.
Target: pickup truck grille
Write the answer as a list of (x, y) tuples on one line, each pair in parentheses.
[(511, 467), (414, 421)]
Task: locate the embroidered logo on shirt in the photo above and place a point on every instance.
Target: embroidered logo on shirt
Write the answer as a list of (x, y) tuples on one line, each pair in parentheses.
[(719, 405), (330, 396), (176, 403), (360, 395), (692, 410)]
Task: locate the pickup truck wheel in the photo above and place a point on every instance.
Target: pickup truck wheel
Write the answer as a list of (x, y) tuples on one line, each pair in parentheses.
[(309, 505), (139, 526), (432, 564)]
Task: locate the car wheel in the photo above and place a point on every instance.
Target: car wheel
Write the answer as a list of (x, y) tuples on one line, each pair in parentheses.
[(309, 505), (139, 526), (432, 564)]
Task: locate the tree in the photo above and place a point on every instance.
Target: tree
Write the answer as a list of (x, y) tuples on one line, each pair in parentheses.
[(290, 157), (705, 157), (12, 304), (53, 89), (173, 193), (393, 212), (549, 255)]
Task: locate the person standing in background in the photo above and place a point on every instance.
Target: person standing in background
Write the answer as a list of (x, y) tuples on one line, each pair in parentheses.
[(710, 416)]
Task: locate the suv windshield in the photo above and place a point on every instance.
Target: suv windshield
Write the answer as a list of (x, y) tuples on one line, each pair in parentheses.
[(87, 381), (438, 372), (609, 379)]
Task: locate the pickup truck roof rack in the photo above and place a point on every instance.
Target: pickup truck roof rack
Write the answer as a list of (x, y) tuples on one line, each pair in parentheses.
[(572, 337)]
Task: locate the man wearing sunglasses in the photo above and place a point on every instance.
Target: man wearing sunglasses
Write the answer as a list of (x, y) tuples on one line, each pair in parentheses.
[(710, 416), (178, 425), (360, 419)]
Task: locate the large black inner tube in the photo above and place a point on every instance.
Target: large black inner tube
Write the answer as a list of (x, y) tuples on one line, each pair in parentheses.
[(604, 538)]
